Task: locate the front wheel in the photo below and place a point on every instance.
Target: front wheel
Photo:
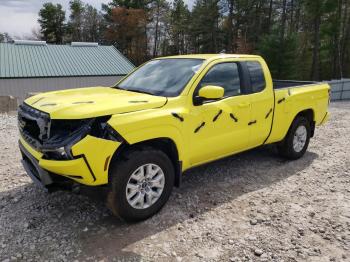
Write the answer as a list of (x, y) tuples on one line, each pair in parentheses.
[(297, 140), (141, 184)]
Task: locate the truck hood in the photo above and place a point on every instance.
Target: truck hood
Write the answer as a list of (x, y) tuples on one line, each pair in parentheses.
[(93, 102)]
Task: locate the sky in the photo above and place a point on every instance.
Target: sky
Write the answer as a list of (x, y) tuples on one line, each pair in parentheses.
[(19, 17)]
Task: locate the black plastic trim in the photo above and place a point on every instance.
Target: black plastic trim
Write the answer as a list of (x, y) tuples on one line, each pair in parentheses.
[(216, 117), (178, 177), (30, 173), (43, 178), (281, 100), (115, 134), (233, 117), (87, 164), (176, 115), (268, 114), (200, 127)]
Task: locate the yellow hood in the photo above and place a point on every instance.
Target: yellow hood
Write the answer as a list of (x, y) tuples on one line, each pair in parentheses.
[(92, 102)]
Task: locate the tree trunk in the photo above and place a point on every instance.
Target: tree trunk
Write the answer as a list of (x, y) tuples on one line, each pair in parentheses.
[(229, 47), (345, 36), (156, 32), (270, 17), (291, 29), (315, 70), (236, 29), (298, 9), (282, 36), (337, 67), (283, 22)]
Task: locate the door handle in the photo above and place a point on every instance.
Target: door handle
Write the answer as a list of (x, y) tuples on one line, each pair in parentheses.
[(243, 105)]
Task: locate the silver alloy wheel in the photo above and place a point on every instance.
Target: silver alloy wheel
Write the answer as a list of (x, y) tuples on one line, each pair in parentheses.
[(145, 186), (299, 139)]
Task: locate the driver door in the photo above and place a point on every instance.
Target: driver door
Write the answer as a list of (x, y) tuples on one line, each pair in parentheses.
[(220, 128)]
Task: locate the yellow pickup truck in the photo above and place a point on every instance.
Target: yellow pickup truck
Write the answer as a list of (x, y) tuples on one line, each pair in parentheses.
[(167, 116)]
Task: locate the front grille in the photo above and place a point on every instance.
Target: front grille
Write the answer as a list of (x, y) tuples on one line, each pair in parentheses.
[(34, 125)]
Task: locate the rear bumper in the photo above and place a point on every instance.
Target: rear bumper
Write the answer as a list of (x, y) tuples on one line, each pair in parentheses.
[(89, 166)]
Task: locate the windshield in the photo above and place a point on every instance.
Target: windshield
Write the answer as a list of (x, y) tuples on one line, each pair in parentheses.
[(163, 77)]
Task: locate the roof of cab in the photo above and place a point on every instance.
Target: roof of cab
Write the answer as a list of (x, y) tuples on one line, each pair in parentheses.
[(212, 56)]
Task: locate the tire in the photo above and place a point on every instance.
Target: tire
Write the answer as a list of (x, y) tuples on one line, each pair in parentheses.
[(295, 150), (122, 175)]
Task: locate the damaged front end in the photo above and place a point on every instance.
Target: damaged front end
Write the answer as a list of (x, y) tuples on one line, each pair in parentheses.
[(63, 135), (55, 138), (67, 147)]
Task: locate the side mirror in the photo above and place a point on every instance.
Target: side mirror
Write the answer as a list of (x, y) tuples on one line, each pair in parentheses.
[(209, 93)]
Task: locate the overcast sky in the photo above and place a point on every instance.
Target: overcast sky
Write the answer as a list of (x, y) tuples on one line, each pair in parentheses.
[(19, 17)]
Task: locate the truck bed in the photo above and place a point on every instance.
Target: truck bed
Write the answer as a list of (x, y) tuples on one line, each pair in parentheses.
[(292, 97), (278, 84)]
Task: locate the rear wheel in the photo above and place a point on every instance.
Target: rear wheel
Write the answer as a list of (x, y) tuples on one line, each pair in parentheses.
[(297, 140), (141, 184)]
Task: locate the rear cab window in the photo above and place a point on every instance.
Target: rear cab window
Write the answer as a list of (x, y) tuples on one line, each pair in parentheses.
[(257, 76)]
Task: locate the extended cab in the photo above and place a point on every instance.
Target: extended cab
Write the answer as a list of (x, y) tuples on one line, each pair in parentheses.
[(167, 116)]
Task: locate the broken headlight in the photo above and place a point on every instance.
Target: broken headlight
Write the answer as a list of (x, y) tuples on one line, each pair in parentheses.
[(66, 133)]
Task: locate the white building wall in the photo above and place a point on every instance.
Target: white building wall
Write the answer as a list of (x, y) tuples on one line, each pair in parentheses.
[(20, 87)]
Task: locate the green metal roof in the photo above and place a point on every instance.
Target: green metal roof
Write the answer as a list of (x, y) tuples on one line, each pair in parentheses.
[(24, 61)]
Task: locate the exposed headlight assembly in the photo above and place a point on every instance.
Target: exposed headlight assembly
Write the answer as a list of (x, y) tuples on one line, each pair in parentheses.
[(66, 133)]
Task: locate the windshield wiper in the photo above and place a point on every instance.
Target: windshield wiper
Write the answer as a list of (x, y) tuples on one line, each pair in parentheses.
[(138, 91), (134, 90), (117, 87)]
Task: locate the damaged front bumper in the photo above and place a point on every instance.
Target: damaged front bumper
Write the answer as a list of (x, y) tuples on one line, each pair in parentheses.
[(89, 166)]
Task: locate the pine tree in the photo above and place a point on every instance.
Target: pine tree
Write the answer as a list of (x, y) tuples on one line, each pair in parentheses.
[(302, 39), (205, 28), (280, 58), (92, 25), (179, 28), (5, 38), (76, 19), (51, 20), (159, 10)]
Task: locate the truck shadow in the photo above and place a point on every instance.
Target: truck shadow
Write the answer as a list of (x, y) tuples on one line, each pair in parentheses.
[(87, 223), (203, 189)]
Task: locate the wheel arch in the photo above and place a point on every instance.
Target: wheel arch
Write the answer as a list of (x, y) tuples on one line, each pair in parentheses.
[(165, 144), (309, 114)]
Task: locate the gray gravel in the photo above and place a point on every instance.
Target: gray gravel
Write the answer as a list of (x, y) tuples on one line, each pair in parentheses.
[(251, 207)]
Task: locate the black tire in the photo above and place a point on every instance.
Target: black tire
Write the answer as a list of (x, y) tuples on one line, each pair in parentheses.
[(119, 177), (286, 148)]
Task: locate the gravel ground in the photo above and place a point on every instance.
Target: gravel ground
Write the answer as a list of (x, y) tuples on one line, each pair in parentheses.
[(250, 207)]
